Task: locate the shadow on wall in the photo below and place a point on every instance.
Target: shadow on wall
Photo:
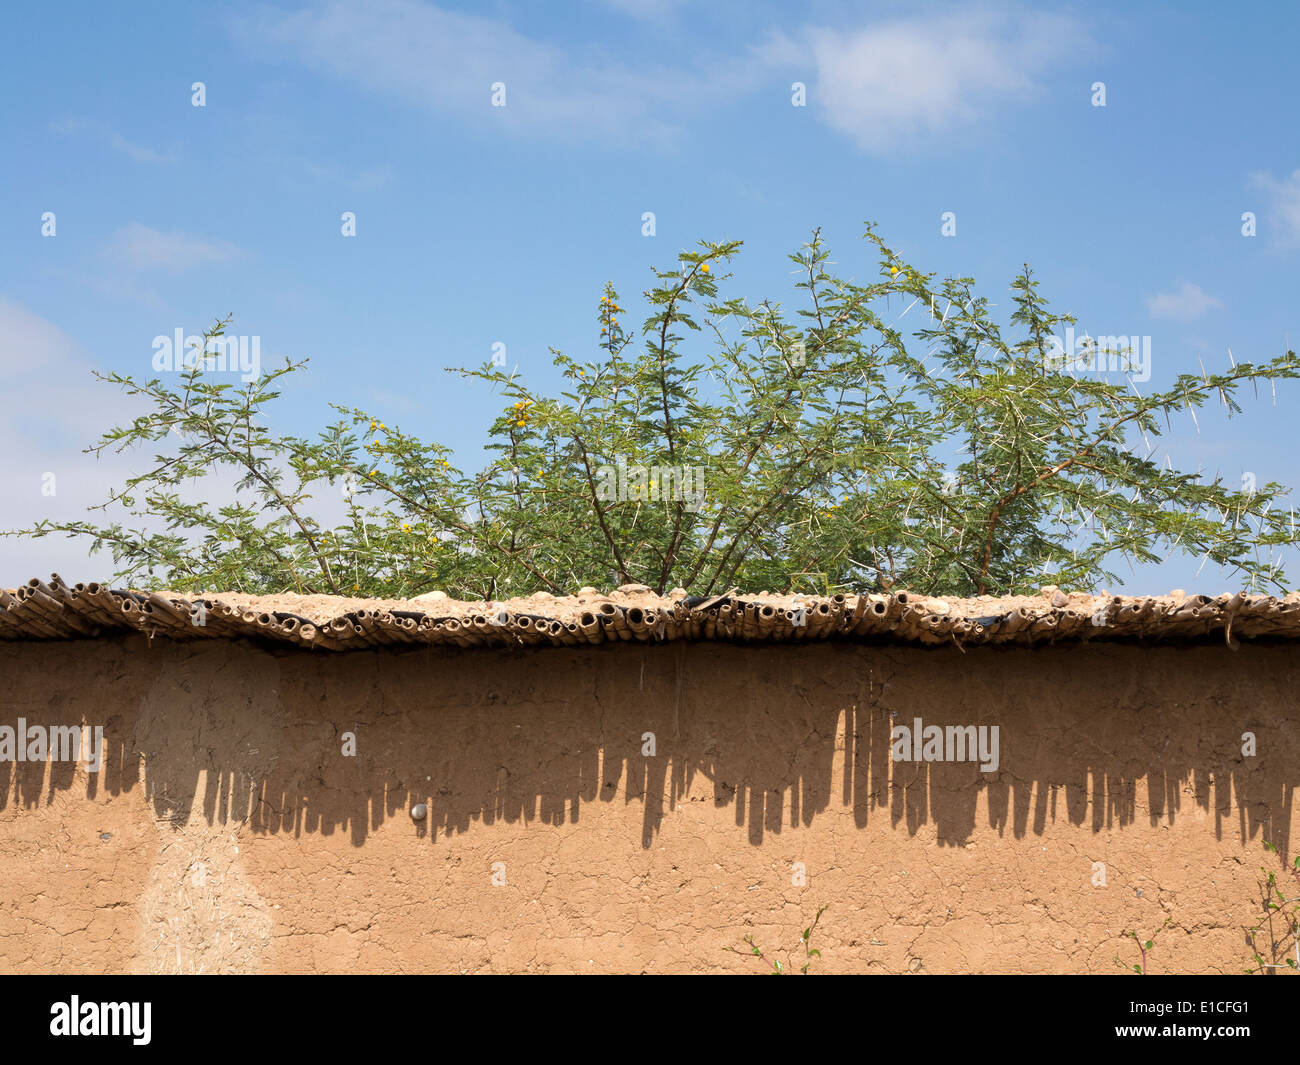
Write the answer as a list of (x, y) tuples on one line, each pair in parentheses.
[(235, 733)]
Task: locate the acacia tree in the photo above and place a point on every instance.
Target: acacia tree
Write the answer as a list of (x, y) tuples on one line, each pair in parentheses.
[(833, 456)]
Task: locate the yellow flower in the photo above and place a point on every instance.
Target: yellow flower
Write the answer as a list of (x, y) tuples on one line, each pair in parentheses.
[(893, 270), (705, 268)]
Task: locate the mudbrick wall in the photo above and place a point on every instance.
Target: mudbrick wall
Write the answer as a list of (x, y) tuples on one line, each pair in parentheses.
[(227, 830)]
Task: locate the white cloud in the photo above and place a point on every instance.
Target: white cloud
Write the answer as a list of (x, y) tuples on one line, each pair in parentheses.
[(887, 85), (64, 409), (143, 248), (1185, 302), (894, 85), (447, 61), (1283, 207), (139, 152), (651, 10)]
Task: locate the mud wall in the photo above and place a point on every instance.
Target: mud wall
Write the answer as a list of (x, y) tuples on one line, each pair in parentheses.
[(227, 830)]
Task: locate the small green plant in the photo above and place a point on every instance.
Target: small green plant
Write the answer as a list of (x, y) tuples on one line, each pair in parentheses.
[(1143, 948), (805, 941), (1282, 925)]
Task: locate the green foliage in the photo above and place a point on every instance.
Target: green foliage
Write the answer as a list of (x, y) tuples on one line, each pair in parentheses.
[(779, 969), (834, 458), (1143, 948), (1280, 920)]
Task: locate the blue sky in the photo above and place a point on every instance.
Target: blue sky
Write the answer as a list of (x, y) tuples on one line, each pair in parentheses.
[(477, 225)]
